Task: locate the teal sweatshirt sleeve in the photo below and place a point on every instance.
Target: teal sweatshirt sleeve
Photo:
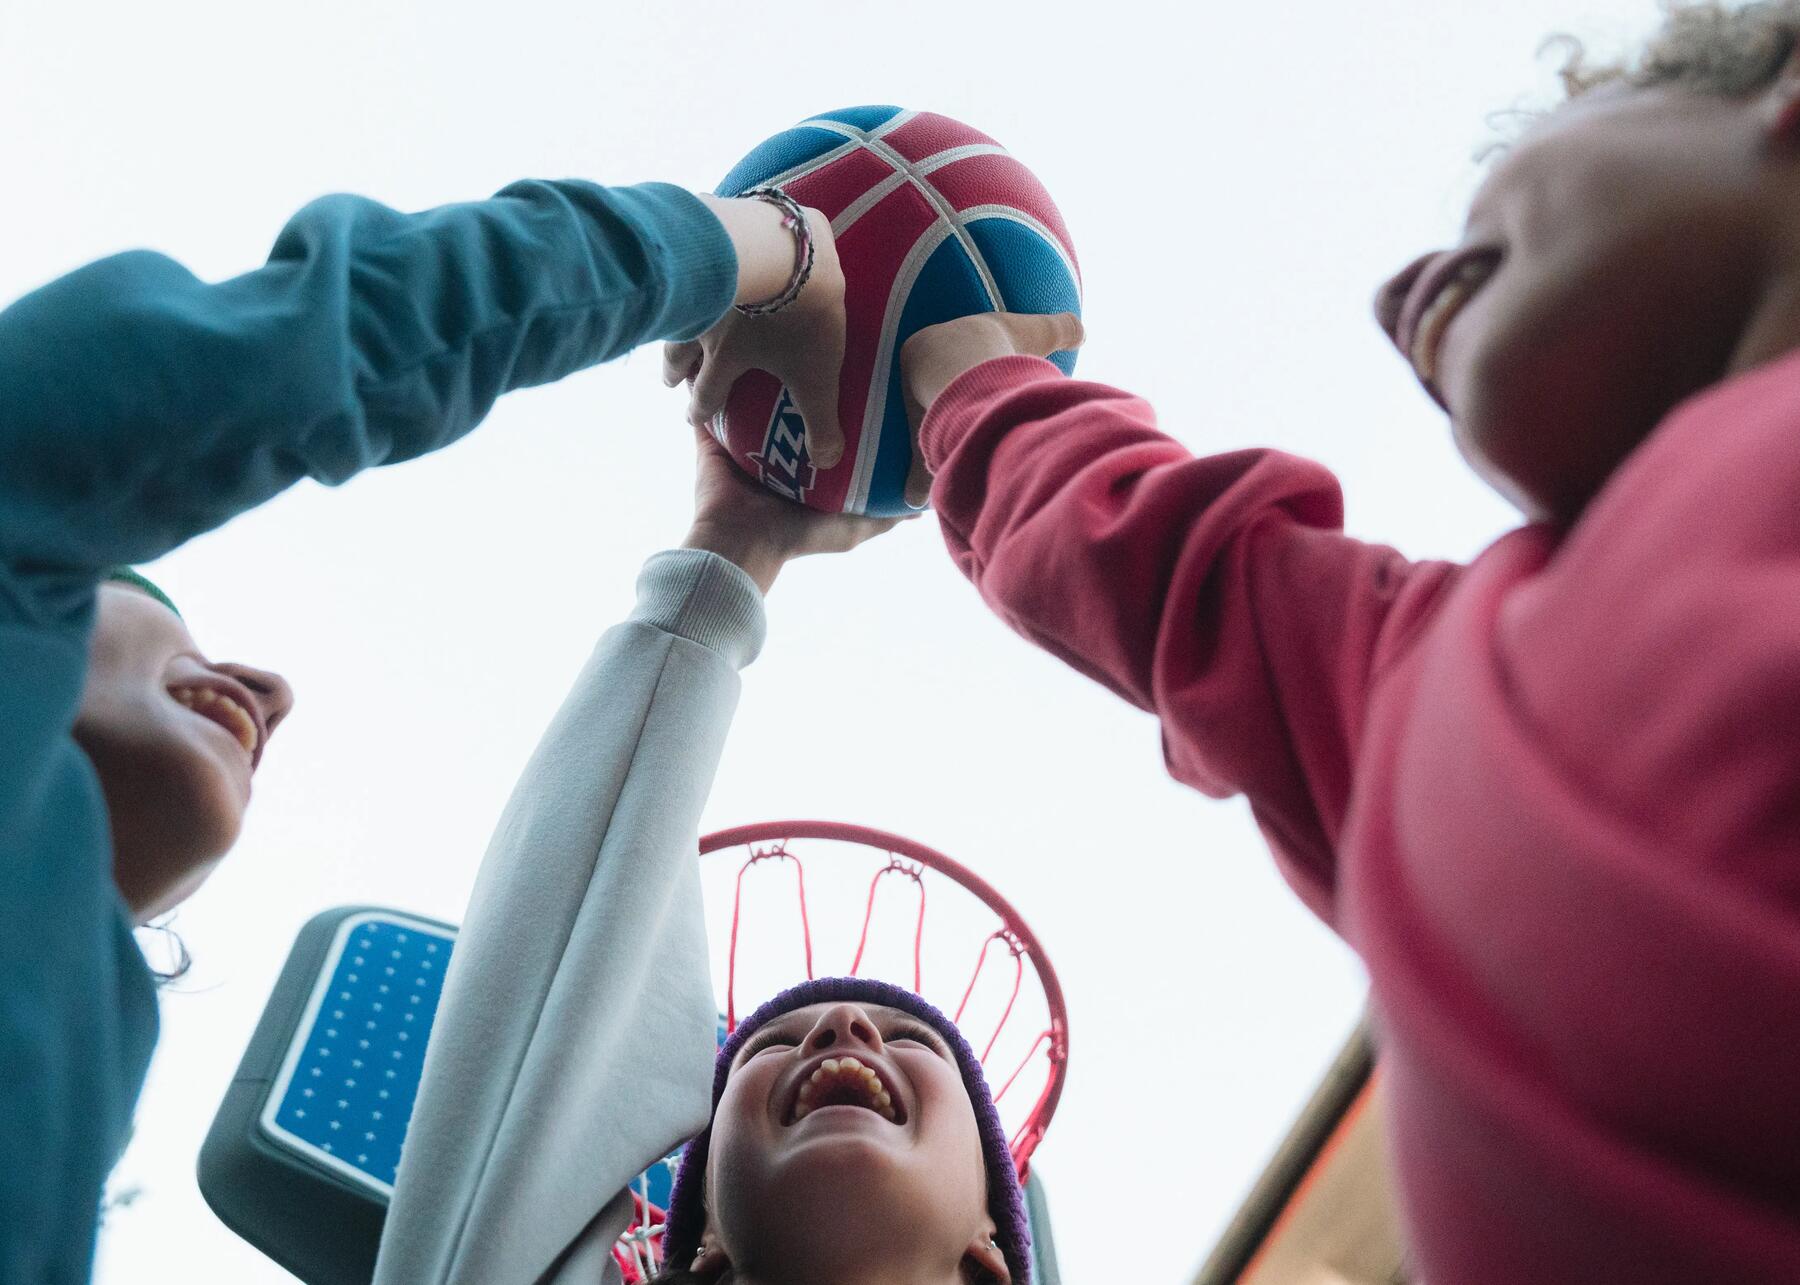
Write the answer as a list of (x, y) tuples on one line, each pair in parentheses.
[(140, 406)]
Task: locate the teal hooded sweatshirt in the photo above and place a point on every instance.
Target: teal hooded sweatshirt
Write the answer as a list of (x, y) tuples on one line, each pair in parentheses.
[(140, 406)]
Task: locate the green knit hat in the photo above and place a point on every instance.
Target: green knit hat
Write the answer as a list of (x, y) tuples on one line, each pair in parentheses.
[(125, 575)]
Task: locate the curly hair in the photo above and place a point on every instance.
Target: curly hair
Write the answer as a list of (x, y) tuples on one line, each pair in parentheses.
[(180, 961), (1706, 46)]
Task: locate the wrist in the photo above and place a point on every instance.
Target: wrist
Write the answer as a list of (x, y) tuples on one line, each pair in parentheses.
[(765, 249), (753, 553)]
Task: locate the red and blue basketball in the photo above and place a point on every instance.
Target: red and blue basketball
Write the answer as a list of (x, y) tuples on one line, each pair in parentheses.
[(934, 221)]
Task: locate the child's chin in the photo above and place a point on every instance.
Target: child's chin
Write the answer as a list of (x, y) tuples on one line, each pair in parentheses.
[(203, 812), (160, 861), (851, 1174), (176, 887)]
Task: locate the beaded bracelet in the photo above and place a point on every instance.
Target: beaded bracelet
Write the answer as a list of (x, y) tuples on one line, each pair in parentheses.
[(794, 219)]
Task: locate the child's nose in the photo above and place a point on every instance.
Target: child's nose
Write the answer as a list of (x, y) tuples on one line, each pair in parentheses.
[(843, 1026), (271, 690)]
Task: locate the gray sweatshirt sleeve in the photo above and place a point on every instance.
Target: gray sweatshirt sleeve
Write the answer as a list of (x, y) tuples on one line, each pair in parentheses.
[(574, 1043)]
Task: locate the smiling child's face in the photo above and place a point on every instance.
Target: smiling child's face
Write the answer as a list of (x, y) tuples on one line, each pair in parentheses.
[(174, 739), (846, 1129), (1614, 262)]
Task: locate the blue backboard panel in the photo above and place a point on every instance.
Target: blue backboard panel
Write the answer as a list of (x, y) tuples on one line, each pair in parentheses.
[(346, 1089)]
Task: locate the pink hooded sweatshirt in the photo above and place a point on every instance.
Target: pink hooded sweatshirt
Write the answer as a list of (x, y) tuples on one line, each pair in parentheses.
[(1552, 798)]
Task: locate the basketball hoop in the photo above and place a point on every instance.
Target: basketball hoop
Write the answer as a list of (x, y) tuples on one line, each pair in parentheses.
[(848, 849), (848, 884)]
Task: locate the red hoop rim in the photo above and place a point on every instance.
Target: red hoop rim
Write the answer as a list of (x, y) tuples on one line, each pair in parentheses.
[(1032, 1132)]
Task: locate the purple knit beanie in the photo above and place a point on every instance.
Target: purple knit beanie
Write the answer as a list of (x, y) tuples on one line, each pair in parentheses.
[(1006, 1202)]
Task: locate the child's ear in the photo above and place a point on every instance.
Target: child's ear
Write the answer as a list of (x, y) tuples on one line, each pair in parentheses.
[(712, 1261), (1781, 104), (984, 1252)]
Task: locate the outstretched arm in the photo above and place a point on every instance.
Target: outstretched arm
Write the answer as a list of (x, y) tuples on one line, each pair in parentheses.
[(1218, 593), (574, 1044), (140, 405)]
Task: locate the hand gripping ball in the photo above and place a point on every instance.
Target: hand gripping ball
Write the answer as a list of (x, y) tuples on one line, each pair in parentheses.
[(933, 221)]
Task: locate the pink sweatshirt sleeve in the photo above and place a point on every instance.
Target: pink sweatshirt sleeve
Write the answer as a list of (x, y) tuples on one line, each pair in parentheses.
[(1219, 594)]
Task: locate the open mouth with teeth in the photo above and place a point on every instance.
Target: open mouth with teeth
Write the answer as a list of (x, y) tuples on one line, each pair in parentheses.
[(221, 709), (1434, 322), (844, 1082)]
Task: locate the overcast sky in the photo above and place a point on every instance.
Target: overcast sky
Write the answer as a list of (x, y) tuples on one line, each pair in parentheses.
[(1237, 178)]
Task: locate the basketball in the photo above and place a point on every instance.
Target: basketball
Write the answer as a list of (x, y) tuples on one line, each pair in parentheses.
[(934, 221)]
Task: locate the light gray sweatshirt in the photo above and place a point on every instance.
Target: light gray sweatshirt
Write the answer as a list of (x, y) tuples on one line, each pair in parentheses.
[(574, 1043)]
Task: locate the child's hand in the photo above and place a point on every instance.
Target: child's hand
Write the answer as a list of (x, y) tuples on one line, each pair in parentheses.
[(745, 522), (937, 356), (802, 345)]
